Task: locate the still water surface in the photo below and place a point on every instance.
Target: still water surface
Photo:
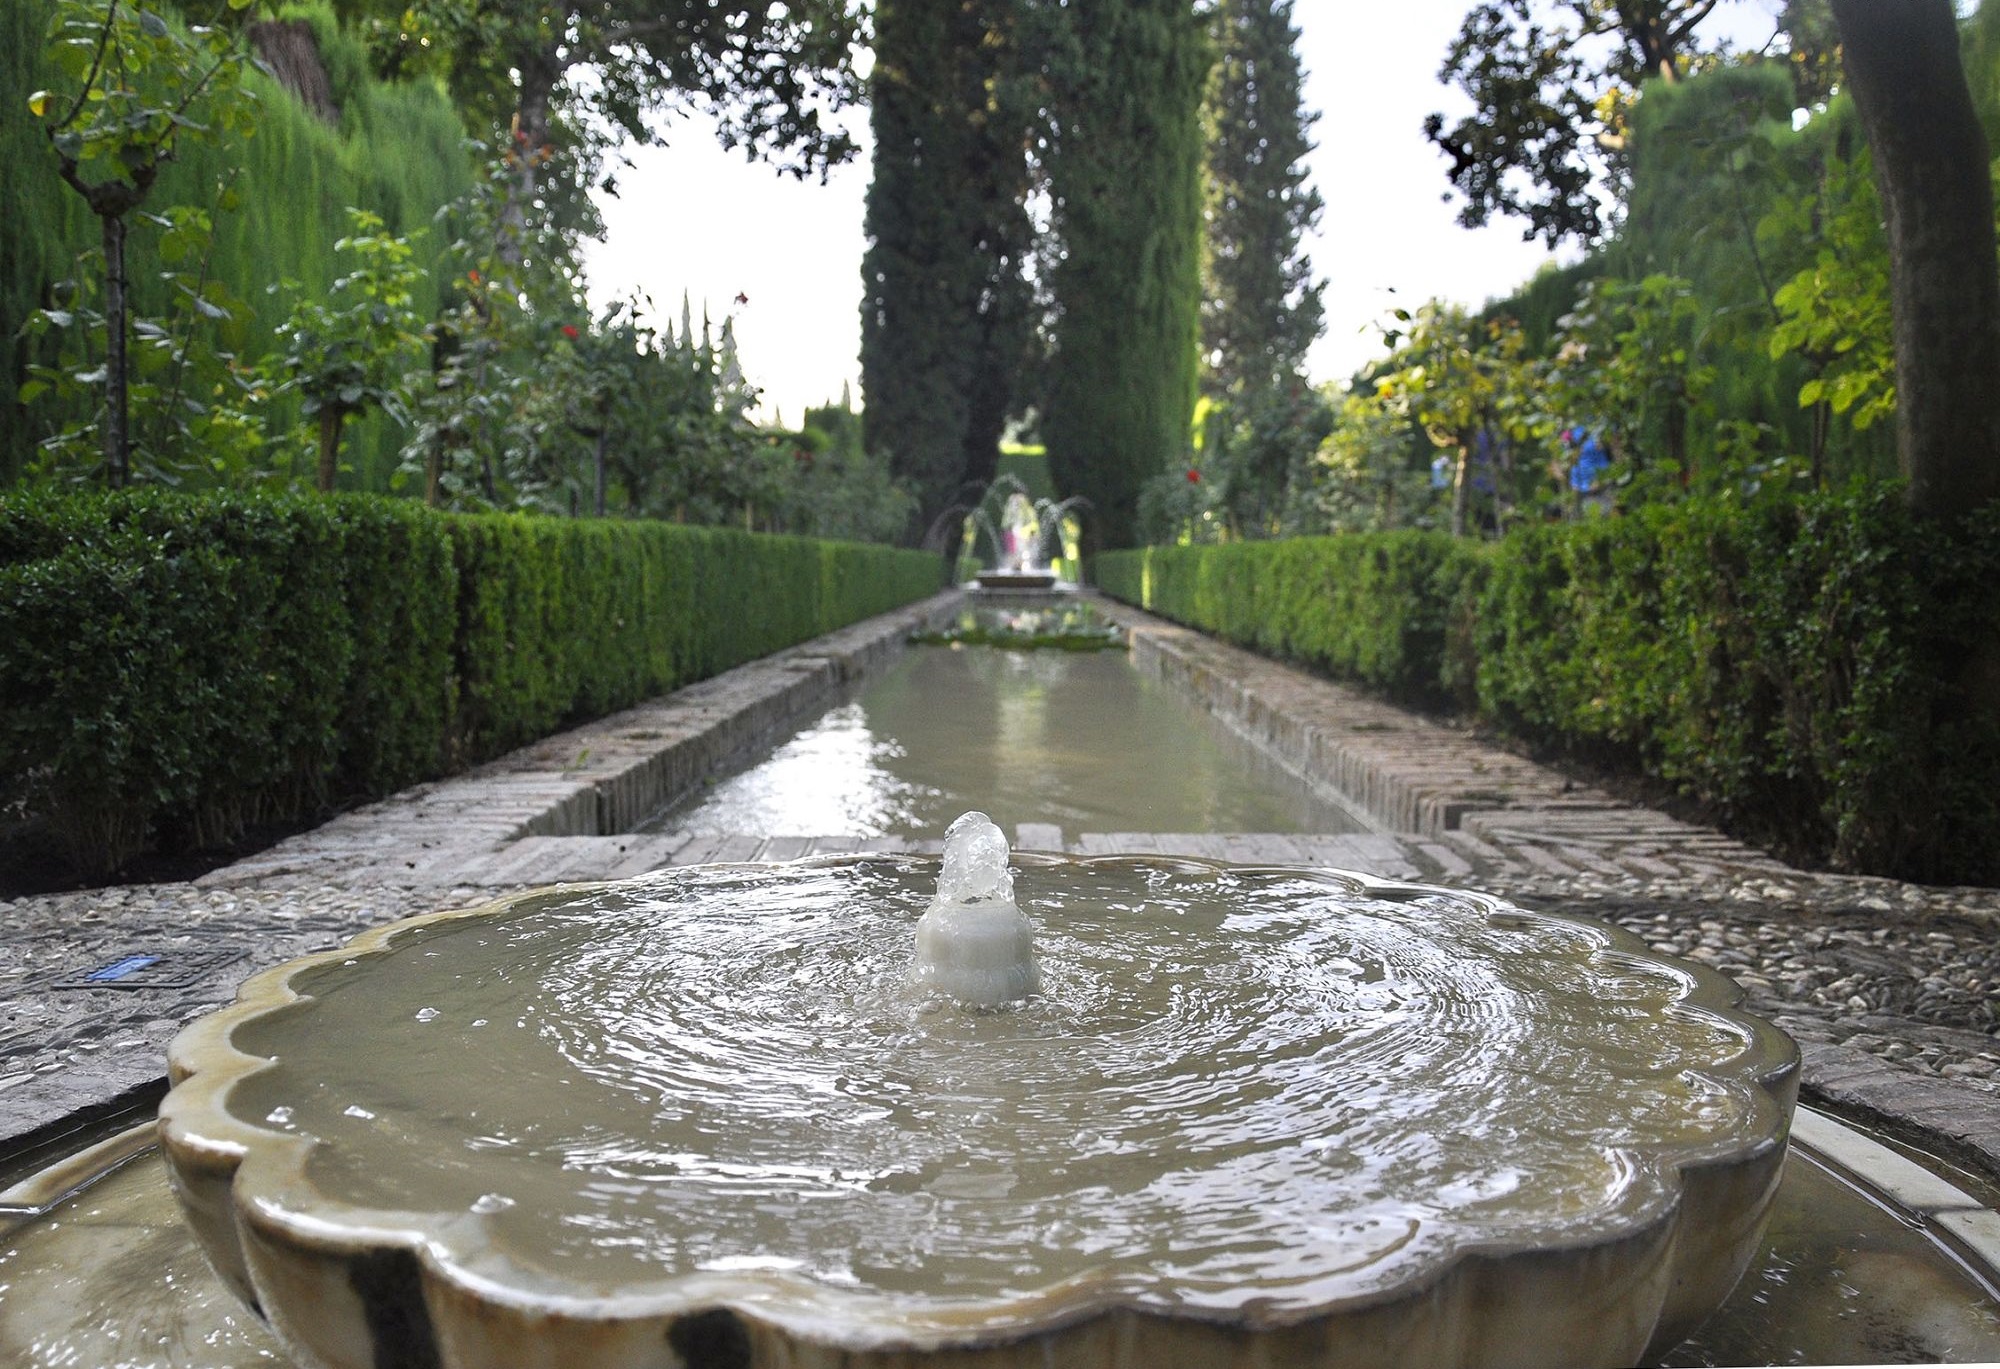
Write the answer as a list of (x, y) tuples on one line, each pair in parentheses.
[(1080, 739)]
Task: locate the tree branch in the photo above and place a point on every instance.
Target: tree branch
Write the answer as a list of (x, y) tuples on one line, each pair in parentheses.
[(96, 65)]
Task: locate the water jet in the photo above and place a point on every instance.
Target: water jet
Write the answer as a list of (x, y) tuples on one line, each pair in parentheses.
[(1246, 1115)]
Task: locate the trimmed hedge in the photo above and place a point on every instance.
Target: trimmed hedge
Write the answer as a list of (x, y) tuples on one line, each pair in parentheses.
[(1799, 665), (177, 668)]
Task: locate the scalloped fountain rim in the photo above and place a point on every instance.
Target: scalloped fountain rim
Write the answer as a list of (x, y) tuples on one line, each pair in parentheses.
[(241, 1186)]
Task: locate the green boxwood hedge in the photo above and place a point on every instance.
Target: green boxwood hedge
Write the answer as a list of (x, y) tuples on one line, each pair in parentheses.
[(1801, 665), (176, 668)]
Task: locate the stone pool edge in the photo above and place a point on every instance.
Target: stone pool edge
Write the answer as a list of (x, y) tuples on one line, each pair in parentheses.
[(461, 839), (1480, 815)]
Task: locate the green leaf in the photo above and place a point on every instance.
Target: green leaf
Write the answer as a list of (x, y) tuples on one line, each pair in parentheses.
[(154, 26), (31, 391)]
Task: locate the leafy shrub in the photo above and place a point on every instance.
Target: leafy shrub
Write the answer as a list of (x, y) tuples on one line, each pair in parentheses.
[(1808, 666), (181, 667)]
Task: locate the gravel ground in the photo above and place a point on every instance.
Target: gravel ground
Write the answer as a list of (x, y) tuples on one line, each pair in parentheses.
[(1907, 973)]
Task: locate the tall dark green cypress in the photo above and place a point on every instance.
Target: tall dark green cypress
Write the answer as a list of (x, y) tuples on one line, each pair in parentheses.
[(946, 311), (1262, 308), (1124, 162)]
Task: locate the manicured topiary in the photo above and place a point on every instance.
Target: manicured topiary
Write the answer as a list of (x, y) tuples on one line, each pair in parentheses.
[(1797, 664), (179, 668)]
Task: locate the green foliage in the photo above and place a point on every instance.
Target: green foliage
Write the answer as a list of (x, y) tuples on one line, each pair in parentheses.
[(1376, 609), (1835, 312), (1124, 167), (1794, 662), (277, 203), (947, 313), (1368, 475), (1551, 83), (349, 352), (1727, 196), (1477, 396), (181, 667), (1261, 308), (1628, 366), (128, 89), (831, 486), (1030, 466), (185, 383)]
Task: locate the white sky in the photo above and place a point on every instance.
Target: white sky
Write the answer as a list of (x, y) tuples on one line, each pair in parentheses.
[(693, 218)]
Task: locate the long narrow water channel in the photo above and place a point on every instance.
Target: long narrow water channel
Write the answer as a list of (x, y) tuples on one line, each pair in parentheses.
[(1083, 740), (1086, 741)]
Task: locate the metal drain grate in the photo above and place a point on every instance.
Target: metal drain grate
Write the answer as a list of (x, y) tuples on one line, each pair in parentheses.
[(152, 970)]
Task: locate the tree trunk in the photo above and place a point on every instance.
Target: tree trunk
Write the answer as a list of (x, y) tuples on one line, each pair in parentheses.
[(434, 472), (603, 430), (331, 416), (1931, 168), (540, 70), (117, 382), (1461, 489)]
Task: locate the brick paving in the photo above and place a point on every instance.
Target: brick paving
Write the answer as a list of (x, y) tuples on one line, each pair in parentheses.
[(1890, 988)]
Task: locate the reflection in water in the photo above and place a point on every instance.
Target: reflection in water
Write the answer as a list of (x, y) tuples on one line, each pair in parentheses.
[(1080, 740), (1233, 1084)]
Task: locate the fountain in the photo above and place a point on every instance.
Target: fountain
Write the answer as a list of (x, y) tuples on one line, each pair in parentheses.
[(974, 943), (855, 1111), (1020, 542)]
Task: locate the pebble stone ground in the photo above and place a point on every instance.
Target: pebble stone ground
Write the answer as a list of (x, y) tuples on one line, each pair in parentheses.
[(1892, 990)]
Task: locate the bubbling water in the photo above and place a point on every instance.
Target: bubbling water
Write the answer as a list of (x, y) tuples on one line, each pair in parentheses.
[(1232, 1087), (974, 942)]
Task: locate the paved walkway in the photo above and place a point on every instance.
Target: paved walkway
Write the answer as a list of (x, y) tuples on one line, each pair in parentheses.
[(1890, 988)]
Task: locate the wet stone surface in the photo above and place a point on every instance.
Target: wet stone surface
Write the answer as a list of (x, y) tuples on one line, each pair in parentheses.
[(1893, 990)]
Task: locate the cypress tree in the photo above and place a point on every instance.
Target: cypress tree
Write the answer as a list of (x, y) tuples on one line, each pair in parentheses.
[(945, 306), (1261, 307), (1124, 158)]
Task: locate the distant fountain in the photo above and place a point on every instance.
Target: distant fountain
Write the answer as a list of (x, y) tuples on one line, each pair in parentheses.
[(1020, 542), (842, 1111)]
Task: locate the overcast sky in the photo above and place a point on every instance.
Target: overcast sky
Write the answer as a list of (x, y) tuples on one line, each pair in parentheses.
[(693, 218)]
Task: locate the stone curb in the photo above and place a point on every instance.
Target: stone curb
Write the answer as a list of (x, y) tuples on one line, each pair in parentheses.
[(1408, 774), (459, 840), (603, 778), (1404, 773)]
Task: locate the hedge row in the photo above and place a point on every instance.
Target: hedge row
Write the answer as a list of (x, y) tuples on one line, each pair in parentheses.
[(1803, 666), (176, 668)]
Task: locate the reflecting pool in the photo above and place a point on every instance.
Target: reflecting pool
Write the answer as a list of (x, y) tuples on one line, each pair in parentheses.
[(1081, 740)]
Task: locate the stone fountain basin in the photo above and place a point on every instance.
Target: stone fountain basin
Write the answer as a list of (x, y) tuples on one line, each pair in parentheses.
[(1016, 579), (348, 1278)]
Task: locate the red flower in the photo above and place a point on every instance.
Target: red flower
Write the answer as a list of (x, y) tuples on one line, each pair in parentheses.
[(569, 331), (472, 276), (1194, 476)]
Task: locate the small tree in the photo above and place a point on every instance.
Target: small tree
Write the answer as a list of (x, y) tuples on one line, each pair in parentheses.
[(353, 352), (1471, 388), (1628, 366), (132, 86), (1364, 478)]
